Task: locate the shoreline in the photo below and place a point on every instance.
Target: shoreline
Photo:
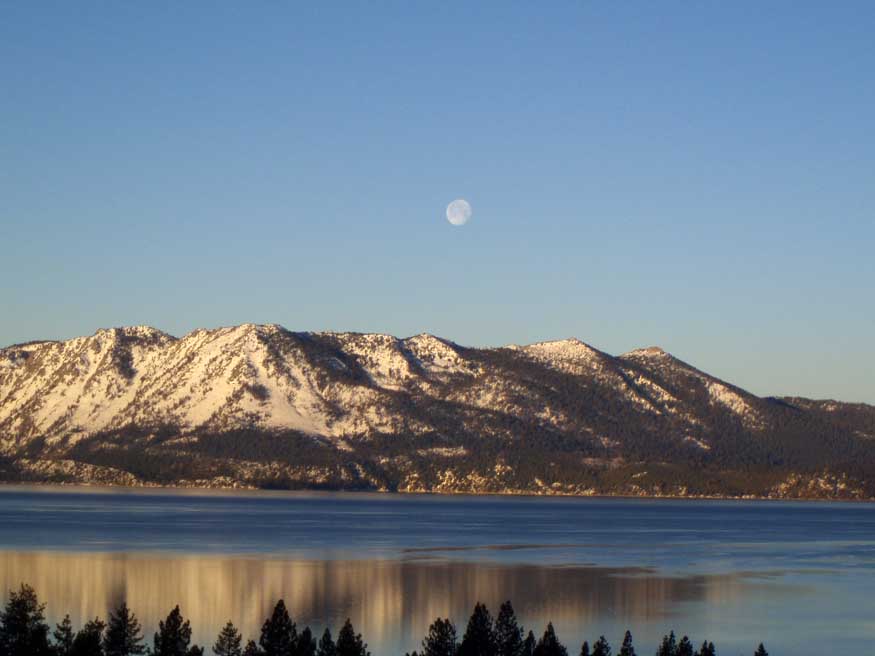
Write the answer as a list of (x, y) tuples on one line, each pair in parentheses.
[(231, 491)]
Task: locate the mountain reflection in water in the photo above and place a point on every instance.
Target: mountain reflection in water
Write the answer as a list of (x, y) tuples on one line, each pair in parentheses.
[(391, 602), (794, 575)]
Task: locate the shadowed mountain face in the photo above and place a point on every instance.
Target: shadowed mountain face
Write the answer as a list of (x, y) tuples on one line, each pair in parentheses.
[(262, 406)]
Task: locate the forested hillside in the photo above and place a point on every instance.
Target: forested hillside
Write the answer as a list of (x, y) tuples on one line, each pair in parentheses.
[(261, 406)]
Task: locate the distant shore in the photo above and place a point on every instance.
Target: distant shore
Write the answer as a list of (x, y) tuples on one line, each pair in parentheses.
[(207, 490)]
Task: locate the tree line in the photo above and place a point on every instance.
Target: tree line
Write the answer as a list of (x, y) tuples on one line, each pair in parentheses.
[(25, 632)]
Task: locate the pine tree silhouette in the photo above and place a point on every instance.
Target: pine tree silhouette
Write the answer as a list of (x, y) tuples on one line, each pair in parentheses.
[(707, 649), (89, 639), (279, 635), (627, 649), (508, 633), (228, 642), (669, 646), (23, 629), (479, 638), (123, 636), (349, 643), (306, 643), (252, 649), (63, 635), (685, 647), (441, 639), (24, 632), (549, 644), (326, 645), (529, 644), (173, 636), (601, 647)]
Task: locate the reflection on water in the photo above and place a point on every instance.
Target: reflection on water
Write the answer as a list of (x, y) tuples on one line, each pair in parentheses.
[(795, 575), (391, 602)]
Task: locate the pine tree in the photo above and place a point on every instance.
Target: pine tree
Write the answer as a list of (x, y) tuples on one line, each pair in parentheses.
[(173, 636), (584, 649), (23, 630), (761, 651), (228, 642), (529, 644), (685, 647), (195, 651), (252, 649), (349, 643), (124, 636), (279, 635), (441, 639), (326, 645), (601, 647), (479, 638), (508, 633), (669, 646), (63, 635), (707, 649), (306, 643), (89, 639), (627, 649), (549, 644)]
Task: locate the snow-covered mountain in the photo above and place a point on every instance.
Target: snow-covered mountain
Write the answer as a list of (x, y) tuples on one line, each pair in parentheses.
[(261, 405)]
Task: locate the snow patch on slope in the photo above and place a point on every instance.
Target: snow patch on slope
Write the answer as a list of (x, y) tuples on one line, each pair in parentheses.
[(723, 395), (381, 356), (569, 355), (437, 356)]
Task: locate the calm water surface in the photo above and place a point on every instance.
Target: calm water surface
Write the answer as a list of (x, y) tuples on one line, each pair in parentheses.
[(795, 575)]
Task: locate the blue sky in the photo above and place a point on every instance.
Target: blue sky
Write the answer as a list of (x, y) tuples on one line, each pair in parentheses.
[(695, 175)]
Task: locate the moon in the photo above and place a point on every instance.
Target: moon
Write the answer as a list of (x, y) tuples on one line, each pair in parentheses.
[(459, 212)]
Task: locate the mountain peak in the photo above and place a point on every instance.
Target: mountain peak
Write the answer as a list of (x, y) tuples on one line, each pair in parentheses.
[(568, 341), (266, 406), (570, 347), (261, 328), (648, 352), (140, 332), (570, 355)]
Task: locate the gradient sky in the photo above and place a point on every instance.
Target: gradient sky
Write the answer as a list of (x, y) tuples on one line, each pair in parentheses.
[(699, 176)]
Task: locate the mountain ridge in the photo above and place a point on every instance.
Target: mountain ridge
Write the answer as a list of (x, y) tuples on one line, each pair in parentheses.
[(258, 405)]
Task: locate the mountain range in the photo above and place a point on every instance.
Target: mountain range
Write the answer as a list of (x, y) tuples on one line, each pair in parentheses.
[(261, 406)]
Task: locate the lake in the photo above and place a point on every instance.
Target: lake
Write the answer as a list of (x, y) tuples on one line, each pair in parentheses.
[(798, 576)]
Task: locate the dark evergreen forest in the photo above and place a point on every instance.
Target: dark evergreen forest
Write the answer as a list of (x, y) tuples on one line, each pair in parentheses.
[(25, 632)]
